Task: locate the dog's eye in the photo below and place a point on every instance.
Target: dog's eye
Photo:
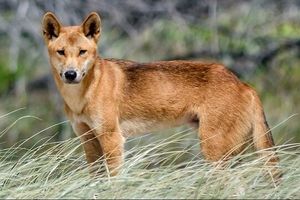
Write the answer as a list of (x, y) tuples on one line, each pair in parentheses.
[(61, 52), (81, 52)]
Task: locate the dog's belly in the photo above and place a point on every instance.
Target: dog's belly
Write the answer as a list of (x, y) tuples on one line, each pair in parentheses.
[(139, 126)]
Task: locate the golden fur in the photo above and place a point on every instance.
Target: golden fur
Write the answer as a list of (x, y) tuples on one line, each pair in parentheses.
[(113, 99)]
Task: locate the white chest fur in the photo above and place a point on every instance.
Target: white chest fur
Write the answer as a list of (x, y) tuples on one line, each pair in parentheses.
[(72, 95)]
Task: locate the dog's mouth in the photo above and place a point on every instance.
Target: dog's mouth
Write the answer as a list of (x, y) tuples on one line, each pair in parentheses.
[(71, 82)]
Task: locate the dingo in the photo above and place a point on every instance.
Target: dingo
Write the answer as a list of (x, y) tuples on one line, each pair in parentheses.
[(107, 100)]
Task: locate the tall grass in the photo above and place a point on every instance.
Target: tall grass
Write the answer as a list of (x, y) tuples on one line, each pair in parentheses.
[(167, 168)]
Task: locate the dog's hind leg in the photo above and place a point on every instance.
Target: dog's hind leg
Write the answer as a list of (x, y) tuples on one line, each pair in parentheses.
[(224, 131)]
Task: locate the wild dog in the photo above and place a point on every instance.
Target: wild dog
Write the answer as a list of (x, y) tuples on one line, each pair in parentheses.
[(107, 100)]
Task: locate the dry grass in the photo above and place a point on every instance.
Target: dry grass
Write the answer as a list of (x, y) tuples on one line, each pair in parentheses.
[(168, 168)]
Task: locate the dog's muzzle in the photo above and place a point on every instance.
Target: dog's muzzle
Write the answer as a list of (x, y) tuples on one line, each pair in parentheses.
[(70, 75)]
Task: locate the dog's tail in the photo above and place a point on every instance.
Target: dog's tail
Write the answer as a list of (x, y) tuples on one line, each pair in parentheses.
[(262, 137)]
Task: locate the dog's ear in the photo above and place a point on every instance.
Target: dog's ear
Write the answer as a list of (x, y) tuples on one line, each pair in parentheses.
[(91, 26), (51, 27)]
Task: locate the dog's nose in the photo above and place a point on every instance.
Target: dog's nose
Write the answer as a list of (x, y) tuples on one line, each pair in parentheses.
[(70, 75)]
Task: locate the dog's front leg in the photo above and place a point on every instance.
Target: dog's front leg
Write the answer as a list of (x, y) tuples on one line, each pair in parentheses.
[(112, 143), (90, 143)]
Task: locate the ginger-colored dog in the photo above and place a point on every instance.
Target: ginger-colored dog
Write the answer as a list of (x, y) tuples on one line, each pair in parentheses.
[(107, 100)]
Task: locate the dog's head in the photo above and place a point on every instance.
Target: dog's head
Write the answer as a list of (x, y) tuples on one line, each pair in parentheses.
[(72, 49)]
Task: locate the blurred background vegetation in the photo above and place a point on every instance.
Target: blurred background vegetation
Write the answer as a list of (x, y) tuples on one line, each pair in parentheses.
[(258, 39)]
